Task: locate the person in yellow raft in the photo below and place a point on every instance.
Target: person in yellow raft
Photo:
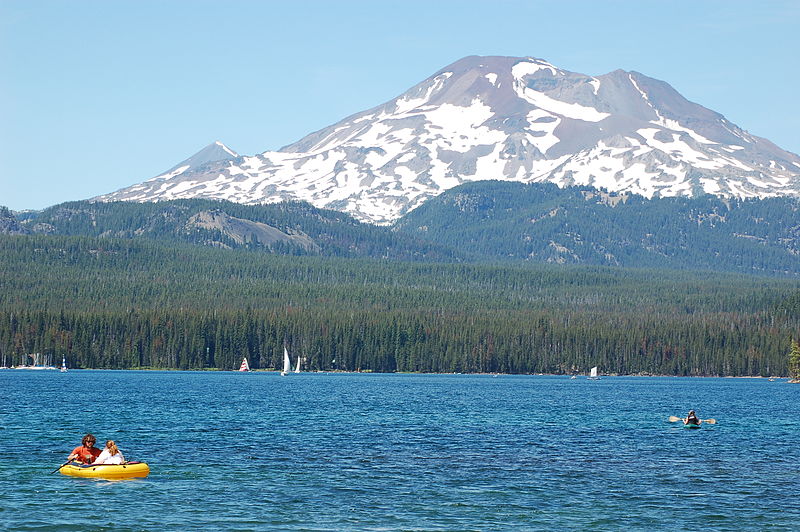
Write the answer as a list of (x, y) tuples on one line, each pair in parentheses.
[(110, 455), (87, 452)]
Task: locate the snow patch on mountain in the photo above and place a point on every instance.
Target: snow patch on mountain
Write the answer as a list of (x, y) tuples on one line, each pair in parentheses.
[(518, 119)]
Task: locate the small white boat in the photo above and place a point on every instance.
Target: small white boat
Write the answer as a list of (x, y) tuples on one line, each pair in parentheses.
[(287, 364), (245, 366), (297, 368), (593, 374), (63, 365)]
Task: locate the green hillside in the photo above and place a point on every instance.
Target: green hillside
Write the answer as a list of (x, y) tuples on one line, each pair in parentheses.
[(293, 228), (581, 225), (487, 221)]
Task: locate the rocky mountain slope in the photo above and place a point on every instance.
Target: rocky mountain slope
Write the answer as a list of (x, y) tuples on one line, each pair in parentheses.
[(9, 223)]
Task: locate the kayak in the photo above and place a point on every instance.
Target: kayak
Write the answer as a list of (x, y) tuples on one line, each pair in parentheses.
[(108, 471), (691, 426)]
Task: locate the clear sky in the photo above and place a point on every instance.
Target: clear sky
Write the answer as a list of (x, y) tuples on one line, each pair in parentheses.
[(99, 95)]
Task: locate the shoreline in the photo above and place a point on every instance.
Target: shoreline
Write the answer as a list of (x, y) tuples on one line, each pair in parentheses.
[(491, 374)]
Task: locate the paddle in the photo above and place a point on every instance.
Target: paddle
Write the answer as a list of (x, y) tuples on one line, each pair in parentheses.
[(673, 419), (62, 465)]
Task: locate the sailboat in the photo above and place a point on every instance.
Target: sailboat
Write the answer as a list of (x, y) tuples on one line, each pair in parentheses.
[(297, 368), (593, 374), (287, 364), (245, 366), (63, 365)]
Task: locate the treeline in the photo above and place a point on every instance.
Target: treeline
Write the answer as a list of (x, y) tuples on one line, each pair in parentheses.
[(508, 342), (115, 303)]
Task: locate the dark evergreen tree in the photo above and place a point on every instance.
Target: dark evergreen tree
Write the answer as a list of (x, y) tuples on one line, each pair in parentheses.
[(794, 361)]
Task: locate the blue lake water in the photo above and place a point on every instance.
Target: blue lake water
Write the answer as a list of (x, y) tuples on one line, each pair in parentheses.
[(258, 451)]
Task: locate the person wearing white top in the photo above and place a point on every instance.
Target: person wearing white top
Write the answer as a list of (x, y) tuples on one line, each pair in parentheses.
[(110, 455)]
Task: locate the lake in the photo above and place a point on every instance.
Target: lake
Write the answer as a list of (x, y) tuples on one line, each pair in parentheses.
[(255, 451)]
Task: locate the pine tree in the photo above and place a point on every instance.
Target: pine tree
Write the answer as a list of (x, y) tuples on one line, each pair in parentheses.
[(794, 361)]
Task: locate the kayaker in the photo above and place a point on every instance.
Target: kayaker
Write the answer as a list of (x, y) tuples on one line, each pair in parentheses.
[(87, 452), (110, 455), (691, 419)]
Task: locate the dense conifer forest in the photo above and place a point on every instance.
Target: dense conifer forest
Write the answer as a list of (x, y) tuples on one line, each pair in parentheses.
[(125, 303), (541, 222)]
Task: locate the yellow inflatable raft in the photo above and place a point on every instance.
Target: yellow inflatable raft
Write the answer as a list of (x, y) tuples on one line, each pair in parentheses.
[(107, 471)]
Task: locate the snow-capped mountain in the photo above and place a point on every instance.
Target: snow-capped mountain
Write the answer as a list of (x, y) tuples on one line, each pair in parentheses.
[(506, 118)]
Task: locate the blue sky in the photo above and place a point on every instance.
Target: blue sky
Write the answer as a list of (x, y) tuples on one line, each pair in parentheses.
[(99, 95)]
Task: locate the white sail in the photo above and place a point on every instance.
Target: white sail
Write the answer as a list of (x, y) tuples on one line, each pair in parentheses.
[(297, 368), (287, 364), (593, 373), (245, 366), (63, 364)]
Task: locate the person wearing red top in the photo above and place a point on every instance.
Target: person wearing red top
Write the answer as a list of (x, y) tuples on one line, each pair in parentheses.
[(87, 452)]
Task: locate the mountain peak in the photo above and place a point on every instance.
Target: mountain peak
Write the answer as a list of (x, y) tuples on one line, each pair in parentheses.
[(495, 117), (214, 152)]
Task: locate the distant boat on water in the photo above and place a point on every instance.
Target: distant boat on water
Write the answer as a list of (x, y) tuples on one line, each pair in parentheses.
[(63, 365), (593, 374), (245, 366), (297, 368), (287, 364)]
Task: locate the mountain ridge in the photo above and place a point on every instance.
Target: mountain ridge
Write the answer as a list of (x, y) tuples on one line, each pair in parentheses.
[(496, 117), (485, 221), (289, 228)]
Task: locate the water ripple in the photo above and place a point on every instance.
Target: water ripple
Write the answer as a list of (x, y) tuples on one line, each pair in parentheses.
[(255, 451)]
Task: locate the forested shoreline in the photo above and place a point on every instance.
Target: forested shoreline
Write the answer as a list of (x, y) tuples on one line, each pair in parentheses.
[(107, 303)]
